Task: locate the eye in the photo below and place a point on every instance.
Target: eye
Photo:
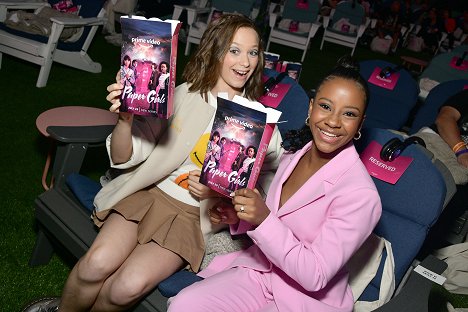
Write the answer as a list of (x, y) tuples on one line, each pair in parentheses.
[(351, 114), (253, 53), (324, 106), (234, 51)]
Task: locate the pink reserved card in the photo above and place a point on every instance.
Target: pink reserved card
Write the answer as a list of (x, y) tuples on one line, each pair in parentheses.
[(387, 83), (275, 96), (387, 171), (463, 66)]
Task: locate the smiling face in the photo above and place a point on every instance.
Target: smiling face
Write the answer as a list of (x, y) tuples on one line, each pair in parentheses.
[(239, 62), (336, 115)]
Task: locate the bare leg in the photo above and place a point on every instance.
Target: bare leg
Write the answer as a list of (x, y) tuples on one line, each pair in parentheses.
[(146, 266), (115, 241)]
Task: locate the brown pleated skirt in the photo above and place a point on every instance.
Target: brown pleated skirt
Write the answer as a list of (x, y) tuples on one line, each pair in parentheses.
[(170, 223)]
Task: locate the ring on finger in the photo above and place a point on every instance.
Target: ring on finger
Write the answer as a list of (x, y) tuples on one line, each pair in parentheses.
[(242, 209)]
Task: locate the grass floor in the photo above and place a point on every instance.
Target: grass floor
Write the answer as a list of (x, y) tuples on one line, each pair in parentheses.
[(24, 152)]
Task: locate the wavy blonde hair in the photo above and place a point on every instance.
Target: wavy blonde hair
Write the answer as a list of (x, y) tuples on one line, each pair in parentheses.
[(203, 69)]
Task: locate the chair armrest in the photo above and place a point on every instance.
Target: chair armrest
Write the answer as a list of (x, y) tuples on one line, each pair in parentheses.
[(78, 22), (23, 4), (414, 296), (84, 134), (73, 143)]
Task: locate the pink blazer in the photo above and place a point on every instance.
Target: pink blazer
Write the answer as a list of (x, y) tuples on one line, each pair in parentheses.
[(305, 244)]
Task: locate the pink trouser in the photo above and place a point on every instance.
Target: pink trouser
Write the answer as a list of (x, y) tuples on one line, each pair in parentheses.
[(237, 289)]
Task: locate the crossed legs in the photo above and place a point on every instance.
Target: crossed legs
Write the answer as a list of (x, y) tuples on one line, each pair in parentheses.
[(116, 271)]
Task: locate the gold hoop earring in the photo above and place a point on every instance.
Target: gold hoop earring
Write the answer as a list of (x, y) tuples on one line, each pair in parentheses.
[(307, 120), (358, 135)]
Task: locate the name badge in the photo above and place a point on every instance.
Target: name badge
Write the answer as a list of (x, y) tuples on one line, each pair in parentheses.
[(387, 171), (386, 82)]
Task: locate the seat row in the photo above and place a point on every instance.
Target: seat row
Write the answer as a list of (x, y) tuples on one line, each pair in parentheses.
[(291, 24)]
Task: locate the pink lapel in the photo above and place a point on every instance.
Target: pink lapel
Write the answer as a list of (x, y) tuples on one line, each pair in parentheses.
[(316, 186)]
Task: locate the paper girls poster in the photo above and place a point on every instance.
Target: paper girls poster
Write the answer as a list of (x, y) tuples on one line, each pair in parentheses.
[(233, 147), (148, 65)]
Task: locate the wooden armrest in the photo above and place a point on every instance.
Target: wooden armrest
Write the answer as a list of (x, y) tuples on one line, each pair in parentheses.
[(78, 22), (84, 134)]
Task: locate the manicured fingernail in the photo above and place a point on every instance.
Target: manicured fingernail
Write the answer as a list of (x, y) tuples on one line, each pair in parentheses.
[(232, 194)]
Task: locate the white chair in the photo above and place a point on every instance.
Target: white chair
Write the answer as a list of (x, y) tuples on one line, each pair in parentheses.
[(44, 50), (199, 18), (308, 18), (195, 6), (351, 14)]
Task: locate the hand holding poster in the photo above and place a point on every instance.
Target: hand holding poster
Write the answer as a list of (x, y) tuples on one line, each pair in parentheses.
[(239, 140)]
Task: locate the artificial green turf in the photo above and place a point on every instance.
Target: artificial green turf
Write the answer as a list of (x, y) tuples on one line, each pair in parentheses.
[(24, 152)]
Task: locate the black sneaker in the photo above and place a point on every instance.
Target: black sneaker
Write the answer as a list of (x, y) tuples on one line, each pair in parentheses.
[(47, 304)]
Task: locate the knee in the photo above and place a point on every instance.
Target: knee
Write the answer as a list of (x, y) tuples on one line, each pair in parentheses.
[(129, 288), (95, 265)]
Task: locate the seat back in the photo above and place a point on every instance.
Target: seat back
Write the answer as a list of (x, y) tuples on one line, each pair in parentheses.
[(427, 113), (439, 68), (303, 15), (409, 207), (243, 7), (389, 109), (346, 9)]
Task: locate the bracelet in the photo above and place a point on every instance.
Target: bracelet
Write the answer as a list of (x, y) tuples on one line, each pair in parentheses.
[(457, 146), (464, 151)]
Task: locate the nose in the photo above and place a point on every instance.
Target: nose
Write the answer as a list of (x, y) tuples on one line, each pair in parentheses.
[(333, 120), (244, 60)]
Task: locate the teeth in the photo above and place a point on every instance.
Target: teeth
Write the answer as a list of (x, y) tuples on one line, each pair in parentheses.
[(241, 72), (328, 134)]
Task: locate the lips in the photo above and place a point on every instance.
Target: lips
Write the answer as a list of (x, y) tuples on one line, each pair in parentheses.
[(328, 137), (240, 73)]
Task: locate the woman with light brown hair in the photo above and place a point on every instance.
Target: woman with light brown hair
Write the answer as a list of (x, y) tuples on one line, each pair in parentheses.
[(150, 225)]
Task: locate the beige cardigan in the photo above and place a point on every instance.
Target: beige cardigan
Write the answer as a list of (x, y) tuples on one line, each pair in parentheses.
[(173, 143)]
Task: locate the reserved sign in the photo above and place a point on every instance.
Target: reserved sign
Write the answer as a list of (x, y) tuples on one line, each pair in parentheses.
[(385, 82), (384, 170)]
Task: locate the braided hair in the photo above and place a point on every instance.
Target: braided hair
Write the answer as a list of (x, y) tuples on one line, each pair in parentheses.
[(345, 68)]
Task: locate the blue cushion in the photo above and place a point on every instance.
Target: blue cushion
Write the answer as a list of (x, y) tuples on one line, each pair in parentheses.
[(84, 189), (176, 282)]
